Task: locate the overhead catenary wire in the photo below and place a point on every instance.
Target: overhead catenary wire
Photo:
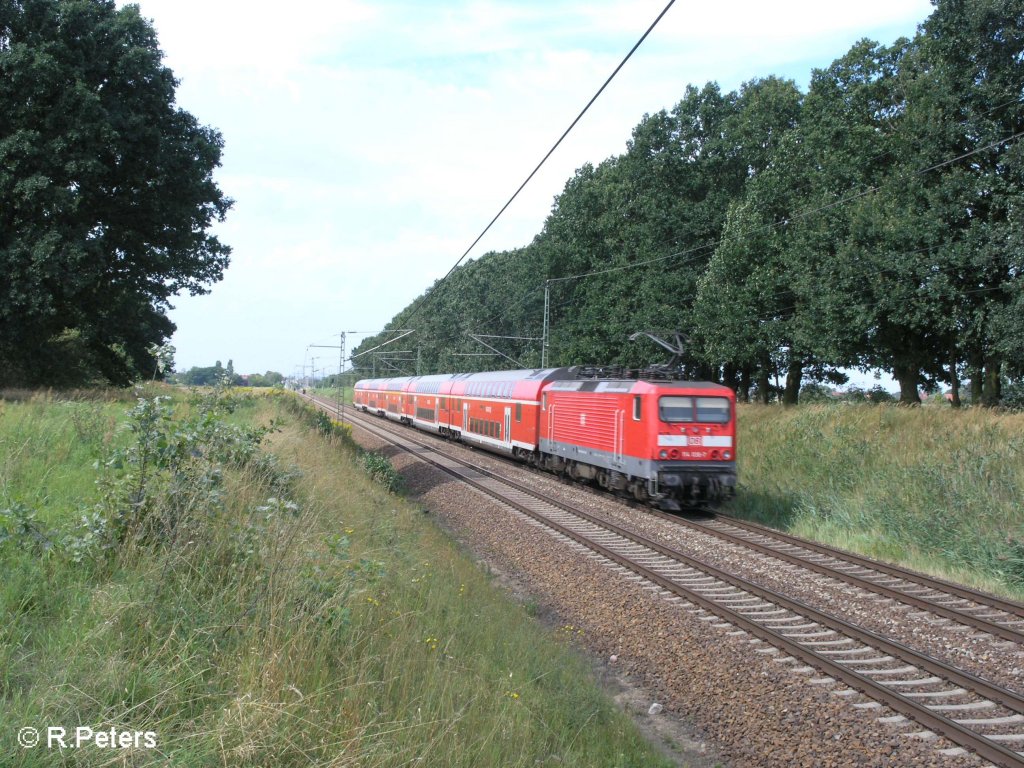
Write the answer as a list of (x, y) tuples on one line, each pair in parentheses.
[(407, 320)]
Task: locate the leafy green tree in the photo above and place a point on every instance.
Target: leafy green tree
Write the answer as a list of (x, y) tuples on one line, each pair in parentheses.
[(926, 269), (641, 227), (203, 377), (966, 100), (759, 268), (106, 193), (869, 307), (274, 379)]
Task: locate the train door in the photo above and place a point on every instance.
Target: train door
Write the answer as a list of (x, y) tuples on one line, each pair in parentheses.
[(465, 416), (507, 434)]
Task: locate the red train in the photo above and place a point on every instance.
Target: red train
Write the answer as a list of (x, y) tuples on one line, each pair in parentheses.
[(671, 443)]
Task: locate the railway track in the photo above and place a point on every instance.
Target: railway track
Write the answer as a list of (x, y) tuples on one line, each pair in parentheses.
[(989, 614), (986, 613), (977, 715)]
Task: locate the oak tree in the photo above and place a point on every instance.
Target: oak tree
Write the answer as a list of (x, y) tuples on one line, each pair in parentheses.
[(107, 194)]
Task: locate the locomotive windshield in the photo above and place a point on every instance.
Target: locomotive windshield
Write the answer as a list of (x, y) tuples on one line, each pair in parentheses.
[(707, 410)]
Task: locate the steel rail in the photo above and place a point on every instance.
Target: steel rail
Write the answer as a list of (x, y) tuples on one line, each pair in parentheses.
[(982, 598), (983, 625), (956, 732)]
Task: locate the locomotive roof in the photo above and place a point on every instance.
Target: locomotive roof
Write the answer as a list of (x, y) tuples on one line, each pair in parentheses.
[(629, 385)]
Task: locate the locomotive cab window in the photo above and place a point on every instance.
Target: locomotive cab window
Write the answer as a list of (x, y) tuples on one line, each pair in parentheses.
[(675, 409), (713, 410), (637, 407), (706, 410)]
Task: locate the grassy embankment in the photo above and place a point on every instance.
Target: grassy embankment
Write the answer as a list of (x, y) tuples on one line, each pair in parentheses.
[(257, 608), (937, 489)]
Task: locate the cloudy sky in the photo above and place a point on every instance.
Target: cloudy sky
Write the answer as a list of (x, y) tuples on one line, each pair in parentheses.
[(368, 142)]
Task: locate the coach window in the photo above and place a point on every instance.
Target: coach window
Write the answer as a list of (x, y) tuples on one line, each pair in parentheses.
[(544, 401), (636, 407), (519, 411)]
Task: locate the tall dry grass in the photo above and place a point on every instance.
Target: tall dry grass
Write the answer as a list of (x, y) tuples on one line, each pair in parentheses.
[(939, 489)]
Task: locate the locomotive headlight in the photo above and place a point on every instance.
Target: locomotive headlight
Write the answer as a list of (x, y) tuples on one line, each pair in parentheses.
[(726, 455), (663, 454)]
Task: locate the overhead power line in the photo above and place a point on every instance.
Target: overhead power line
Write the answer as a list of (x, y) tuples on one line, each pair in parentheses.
[(515, 194)]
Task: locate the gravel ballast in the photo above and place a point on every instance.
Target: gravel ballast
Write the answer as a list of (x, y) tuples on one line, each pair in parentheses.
[(732, 699)]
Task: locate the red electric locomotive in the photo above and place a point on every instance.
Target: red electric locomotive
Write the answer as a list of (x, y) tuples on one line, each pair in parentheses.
[(670, 443)]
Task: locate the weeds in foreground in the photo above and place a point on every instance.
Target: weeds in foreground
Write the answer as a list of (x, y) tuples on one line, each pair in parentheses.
[(249, 613)]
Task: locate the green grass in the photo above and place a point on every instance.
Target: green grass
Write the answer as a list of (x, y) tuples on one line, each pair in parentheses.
[(287, 610), (47, 451), (937, 489)]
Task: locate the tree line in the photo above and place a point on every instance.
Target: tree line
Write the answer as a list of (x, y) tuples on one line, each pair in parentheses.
[(871, 222), (217, 374)]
